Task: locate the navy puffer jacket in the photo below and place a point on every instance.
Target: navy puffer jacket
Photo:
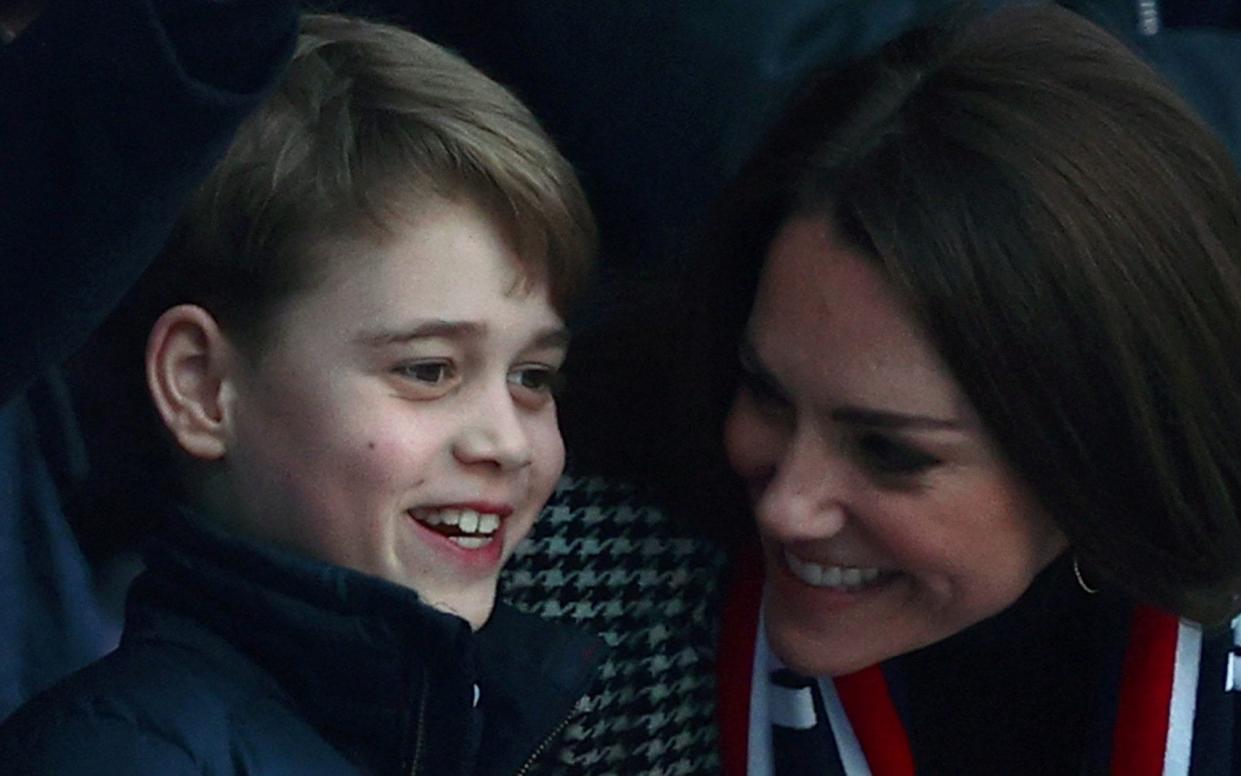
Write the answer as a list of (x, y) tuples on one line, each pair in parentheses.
[(241, 659)]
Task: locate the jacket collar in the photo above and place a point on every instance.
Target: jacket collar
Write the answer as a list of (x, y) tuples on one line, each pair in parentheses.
[(384, 677), (532, 675)]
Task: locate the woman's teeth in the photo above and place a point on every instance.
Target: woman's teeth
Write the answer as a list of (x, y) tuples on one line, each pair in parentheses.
[(848, 578), (464, 527)]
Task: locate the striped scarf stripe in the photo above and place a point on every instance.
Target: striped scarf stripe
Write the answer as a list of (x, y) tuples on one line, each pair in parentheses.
[(1156, 703)]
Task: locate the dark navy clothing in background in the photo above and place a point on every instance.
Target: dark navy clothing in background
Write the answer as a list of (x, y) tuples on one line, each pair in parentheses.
[(1195, 44), (110, 112), (658, 103)]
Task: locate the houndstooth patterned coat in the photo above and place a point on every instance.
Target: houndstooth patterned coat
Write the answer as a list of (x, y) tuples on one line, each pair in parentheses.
[(606, 559)]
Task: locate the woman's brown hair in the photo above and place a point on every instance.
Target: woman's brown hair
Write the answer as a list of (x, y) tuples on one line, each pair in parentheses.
[(1069, 235)]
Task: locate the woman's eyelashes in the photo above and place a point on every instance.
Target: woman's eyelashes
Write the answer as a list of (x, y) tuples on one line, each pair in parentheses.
[(760, 388), (883, 454), (888, 457)]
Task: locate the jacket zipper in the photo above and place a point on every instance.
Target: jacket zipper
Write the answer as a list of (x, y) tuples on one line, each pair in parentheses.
[(1148, 17), (421, 726), (547, 741)]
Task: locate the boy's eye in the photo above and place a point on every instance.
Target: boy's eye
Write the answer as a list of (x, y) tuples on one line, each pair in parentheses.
[(428, 372), (540, 379), (886, 456)]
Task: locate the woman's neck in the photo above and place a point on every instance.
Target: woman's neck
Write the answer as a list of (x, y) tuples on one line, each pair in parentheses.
[(1016, 693)]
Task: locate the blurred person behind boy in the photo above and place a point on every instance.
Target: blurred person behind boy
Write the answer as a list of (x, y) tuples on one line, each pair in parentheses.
[(110, 112)]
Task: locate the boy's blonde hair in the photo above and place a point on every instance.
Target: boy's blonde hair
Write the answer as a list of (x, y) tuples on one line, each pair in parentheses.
[(369, 122)]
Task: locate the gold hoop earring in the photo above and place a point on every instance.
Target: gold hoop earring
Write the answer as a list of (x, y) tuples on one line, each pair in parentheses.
[(1081, 581)]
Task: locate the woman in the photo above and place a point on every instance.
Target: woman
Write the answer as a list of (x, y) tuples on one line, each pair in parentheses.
[(988, 416)]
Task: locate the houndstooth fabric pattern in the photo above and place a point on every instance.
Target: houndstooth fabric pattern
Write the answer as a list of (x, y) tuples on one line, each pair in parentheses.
[(604, 558)]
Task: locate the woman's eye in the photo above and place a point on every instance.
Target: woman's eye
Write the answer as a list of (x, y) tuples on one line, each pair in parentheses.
[(759, 390), (887, 456), (428, 372), (540, 379)]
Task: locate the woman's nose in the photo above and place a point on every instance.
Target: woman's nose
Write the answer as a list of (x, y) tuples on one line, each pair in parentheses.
[(804, 496)]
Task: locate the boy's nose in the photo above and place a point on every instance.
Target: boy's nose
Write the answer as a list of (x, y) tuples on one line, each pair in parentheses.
[(494, 436)]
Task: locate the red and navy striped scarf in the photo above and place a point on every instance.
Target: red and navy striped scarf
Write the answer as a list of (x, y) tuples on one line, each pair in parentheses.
[(1173, 713)]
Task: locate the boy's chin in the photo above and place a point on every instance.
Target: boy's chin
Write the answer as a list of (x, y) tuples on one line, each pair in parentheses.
[(475, 610)]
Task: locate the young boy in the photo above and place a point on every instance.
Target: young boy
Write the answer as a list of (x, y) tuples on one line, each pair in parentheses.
[(362, 323)]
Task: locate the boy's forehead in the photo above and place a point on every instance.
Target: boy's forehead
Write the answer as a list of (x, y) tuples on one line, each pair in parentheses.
[(427, 226), (446, 256)]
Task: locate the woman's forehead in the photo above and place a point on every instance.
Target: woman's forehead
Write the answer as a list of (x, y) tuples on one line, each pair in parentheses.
[(826, 321)]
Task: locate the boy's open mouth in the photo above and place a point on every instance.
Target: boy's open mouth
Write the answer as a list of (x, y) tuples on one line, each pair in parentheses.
[(464, 527)]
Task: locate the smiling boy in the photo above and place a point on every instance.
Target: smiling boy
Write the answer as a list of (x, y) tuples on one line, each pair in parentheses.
[(399, 416), (358, 327)]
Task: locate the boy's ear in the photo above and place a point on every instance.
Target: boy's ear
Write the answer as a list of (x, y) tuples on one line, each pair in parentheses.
[(187, 367)]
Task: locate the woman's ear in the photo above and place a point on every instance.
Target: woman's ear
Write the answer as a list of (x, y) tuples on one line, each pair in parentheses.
[(188, 362)]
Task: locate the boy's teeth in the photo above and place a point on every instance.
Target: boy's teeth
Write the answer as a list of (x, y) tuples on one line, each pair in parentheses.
[(470, 542), (466, 521), (836, 577)]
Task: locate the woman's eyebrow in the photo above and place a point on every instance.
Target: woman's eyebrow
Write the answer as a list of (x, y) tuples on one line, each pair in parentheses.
[(756, 370), (887, 419), (849, 414)]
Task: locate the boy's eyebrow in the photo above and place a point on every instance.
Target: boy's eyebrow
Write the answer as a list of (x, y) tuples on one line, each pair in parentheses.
[(432, 327), (551, 337), (556, 337)]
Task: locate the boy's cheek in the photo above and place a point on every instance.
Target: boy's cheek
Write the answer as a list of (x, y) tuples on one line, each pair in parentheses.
[(550, 458)]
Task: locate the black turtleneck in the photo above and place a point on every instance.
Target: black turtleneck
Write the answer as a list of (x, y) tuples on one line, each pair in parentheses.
[(1019, 693)]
